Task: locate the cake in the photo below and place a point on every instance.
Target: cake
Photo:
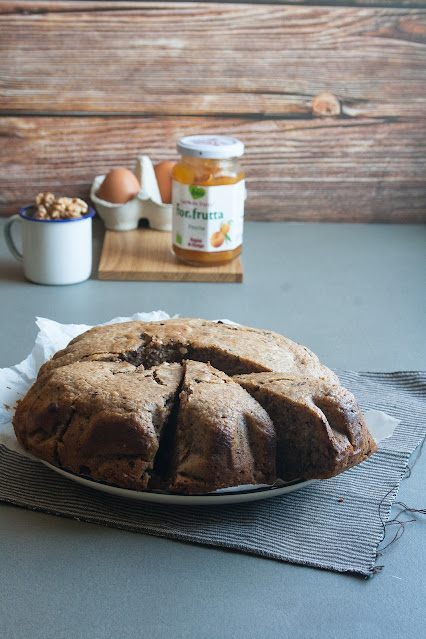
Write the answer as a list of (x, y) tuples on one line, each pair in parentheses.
[(190, 406)]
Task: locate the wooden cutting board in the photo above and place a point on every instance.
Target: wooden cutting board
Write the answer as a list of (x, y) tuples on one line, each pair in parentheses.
[(144, 254)]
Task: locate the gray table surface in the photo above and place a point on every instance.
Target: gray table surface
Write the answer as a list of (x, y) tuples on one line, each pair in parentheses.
[(354, 294)]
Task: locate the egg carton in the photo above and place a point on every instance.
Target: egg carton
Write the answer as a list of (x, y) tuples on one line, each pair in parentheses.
[(146, 204)]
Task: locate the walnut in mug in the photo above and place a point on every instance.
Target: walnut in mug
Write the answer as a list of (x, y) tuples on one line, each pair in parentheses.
[(62, 208)]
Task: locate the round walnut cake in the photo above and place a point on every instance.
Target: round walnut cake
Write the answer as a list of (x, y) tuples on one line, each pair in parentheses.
[(190, 406)]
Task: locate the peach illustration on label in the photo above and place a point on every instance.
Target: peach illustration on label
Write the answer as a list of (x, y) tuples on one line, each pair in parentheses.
[(217, 239)]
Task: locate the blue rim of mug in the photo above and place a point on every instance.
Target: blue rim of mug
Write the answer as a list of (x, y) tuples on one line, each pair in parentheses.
[(22, 213)]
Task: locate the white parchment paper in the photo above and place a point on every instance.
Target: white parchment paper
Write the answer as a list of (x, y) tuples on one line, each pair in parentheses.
[(52, 336)]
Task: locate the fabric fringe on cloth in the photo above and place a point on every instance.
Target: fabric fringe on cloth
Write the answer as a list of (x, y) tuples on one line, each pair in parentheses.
[(335, 524)]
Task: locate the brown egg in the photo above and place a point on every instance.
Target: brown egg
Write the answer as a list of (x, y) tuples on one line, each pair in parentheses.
[(163, 173), (118, 187)]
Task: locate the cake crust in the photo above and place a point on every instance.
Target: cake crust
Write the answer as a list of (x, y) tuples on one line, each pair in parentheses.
[(230, 348)]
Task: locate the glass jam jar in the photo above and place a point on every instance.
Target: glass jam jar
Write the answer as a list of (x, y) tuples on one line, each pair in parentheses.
[(208, 196)]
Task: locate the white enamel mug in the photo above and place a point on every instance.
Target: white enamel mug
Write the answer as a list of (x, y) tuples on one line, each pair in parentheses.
[(53, 251)]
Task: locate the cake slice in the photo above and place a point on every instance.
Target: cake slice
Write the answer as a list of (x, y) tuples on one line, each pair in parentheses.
[(320, 429), (101, 419), (223, 437)]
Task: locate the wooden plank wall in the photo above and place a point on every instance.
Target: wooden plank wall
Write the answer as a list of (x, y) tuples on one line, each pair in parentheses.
[(88, 86)]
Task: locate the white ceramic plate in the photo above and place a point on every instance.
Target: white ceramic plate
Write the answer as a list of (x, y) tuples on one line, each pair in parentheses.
[(225, 496)]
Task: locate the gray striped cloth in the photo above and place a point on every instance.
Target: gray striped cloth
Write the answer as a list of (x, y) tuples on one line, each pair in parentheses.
[(335, 524)]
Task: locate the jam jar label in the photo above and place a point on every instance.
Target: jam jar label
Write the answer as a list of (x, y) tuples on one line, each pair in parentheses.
[(208, 218)]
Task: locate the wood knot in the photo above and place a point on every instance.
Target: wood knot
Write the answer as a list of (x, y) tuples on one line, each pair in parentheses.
[(325, 104)]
